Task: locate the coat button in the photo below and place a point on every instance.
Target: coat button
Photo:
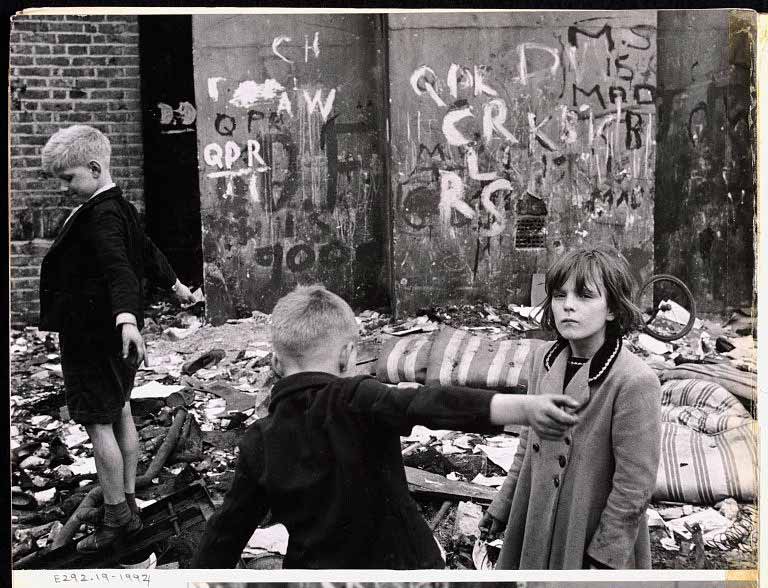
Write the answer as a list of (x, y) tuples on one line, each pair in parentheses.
[(535, 446), (556, 480), (561, 461)]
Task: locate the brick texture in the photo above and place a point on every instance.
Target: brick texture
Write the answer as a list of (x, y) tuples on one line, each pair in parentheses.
[(64, 71)]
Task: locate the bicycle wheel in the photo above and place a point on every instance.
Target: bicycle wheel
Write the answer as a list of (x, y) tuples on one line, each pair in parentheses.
[(669, 310)]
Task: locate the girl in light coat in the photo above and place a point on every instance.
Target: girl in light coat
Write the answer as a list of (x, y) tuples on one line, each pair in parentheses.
[(580, 502)]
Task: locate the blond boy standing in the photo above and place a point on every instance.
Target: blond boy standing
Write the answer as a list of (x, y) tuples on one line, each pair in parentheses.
[(91, 293)]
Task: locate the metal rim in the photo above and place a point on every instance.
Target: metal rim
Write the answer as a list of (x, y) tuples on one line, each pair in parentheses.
[(691, 308)]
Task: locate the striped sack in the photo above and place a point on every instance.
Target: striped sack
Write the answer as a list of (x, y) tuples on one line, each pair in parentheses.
[(703, 406), (463, 359), (704, 469), (742, 384), (404, 359)]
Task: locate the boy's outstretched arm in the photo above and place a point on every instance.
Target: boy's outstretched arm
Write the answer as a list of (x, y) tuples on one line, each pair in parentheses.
[(457, 407), (156, 264), (159, 269), (229, 529), (544, 413)]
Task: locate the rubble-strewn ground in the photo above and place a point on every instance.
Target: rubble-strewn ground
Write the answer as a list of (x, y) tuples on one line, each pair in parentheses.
[(52, 460)]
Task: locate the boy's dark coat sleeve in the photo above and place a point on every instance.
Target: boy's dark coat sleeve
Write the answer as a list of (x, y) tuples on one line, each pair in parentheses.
[(244, 508), (156, 265), (109, 236), (437, 407)]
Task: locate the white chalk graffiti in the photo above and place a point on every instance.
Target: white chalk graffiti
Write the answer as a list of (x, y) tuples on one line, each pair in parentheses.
[(276, 43), (499, 222), (314, 46), (472, 167), (452, 198), (452, 134), (535, 133), (316, 102), (494, 117), (214, 155), (525, 75), (419, 75), (179, 119), (224, 158), (213, 88), (249, 92)]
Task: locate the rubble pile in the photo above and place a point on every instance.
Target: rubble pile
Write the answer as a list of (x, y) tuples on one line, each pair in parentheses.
[(204, 385)]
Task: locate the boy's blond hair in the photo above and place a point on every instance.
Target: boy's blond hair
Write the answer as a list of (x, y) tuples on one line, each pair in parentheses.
[(75, 146), (311, 318)]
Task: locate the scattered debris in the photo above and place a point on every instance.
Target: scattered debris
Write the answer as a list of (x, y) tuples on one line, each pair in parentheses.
[(652, 345), (273, 539), (205, 385), (154, 389), (468, 517), (501, 456), (429, 484)]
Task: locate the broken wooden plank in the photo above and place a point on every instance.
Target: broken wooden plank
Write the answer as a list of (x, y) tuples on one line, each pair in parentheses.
[(427, 483)]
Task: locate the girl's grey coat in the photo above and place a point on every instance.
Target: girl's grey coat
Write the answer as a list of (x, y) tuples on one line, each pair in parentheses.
[(588, 493)]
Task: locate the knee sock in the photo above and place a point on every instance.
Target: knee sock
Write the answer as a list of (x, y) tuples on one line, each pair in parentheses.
[(116, 515), (131, 500)]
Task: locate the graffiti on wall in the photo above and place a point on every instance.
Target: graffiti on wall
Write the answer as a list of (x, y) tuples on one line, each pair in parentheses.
[(292, 168), (548, 141), (176, 120)]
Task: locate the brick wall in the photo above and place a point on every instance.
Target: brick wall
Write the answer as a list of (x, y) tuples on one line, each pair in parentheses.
[(66, 70)]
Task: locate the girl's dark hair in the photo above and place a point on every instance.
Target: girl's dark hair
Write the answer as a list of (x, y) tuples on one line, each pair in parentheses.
[(590, 266)]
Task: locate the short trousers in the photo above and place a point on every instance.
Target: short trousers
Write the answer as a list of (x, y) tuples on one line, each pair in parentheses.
[(96, 385)]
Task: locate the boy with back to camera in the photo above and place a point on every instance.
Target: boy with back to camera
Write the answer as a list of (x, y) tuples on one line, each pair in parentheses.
[(326, 461), (91, 293)]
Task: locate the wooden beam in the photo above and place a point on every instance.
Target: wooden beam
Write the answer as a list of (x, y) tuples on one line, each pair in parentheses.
[(427, 483)]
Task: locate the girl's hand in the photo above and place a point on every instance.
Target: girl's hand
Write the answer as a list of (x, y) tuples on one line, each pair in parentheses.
[(548, 417), (490, 526)]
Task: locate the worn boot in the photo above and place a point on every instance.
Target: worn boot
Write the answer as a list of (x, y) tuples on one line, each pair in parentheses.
[(119, 521), (95, 515)]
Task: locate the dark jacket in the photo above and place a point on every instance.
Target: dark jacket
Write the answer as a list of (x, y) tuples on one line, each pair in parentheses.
[(327, 463), (94, 271)]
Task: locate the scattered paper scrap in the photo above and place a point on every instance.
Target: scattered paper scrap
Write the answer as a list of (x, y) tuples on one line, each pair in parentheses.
[(501, 456), (669, 544), (653, 345), (155, 390), (273, 539), (490, 481), (83, 466), (654, 518), (468, 515), (45, 496), (710, 521), (480, 556), (74, 435), (423, 434)]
